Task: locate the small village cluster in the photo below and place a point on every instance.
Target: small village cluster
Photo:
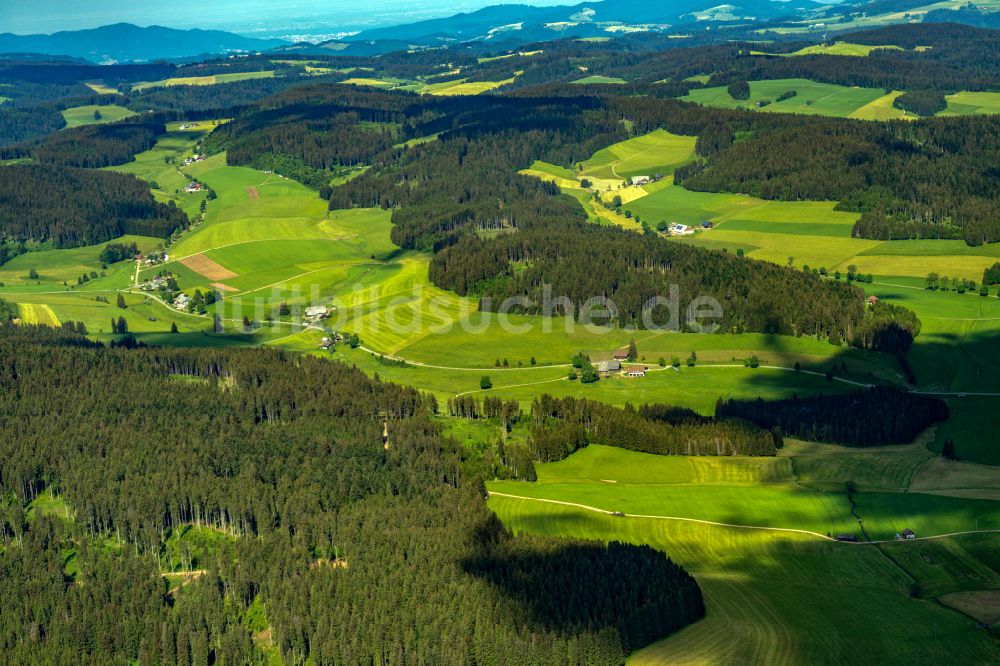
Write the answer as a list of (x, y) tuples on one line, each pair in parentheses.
[(156, 283)]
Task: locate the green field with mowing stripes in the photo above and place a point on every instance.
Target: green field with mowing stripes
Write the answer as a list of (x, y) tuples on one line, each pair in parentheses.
[(598, 79), (758, 493), (967, 103), (839, 48), (783, 596), (778, 597), (658, 151), (203, 80), (37, 314)]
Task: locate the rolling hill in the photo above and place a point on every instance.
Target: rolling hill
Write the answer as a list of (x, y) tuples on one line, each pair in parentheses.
[(124, 42)]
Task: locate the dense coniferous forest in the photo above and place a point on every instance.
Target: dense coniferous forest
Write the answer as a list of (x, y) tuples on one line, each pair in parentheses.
[(960, 58), (361, 553), (313, 131), (872, 417), (894, 173), (561, 426), (69, 207), (93, 146), (921, 102)]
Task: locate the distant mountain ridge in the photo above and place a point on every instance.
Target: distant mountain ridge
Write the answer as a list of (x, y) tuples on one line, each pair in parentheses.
[(493, 23), (124, 42)]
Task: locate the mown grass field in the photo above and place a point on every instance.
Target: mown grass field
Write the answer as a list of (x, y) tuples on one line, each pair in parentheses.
[(839, 48), (813, 98), (596, 78), (773, 596), (203, 80), (463, 87), (829, 99), (967, 103), (84, 115), (55, 266), (882, 109), (778, 597), (755, 492), (101, 88)]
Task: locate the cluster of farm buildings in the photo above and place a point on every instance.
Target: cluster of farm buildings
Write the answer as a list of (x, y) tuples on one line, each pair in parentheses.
[(615, 366)]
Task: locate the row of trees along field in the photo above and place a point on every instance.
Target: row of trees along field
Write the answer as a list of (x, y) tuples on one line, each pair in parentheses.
[(68, 207), (872, 417), (359, 552)]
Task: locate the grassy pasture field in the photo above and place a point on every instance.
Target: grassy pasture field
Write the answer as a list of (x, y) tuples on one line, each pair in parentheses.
[(800, 489), (828, 99), (101, 88), (777, 597), (55, 266), (168, 176), (84, 115), (967, 103), (839, 48), (782, 597), (203, 80), (37, 314), (656, 152), (463, 87), (882, 109), (379, 83), (813, 98), (597, 78)]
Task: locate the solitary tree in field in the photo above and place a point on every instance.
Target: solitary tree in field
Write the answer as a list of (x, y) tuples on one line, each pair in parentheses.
[(121, 301), (948, 449), (97, 114), (633, 353), (32, 274), (485, 382), (173, 327)]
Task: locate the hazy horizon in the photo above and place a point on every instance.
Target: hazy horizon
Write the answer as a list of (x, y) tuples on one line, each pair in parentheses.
[(254, 18)]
